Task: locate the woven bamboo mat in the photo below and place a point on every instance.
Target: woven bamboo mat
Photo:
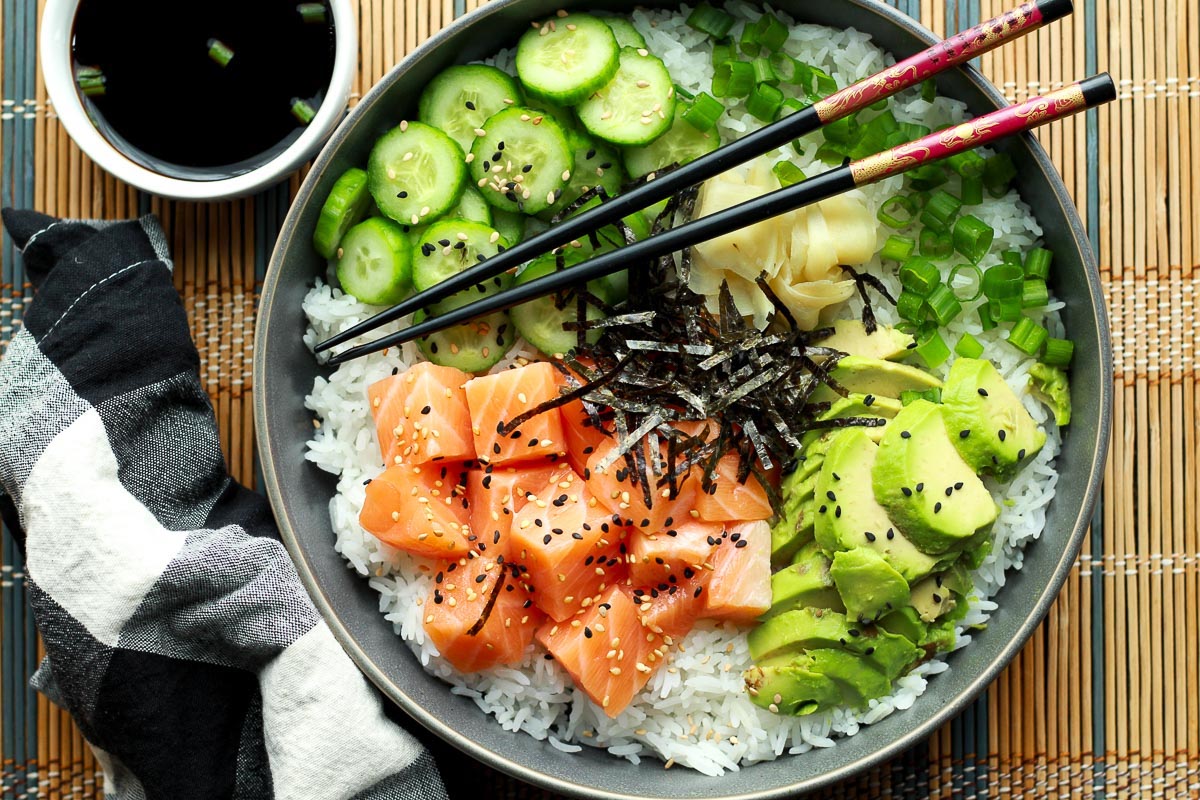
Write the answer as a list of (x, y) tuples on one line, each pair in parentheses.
[(1105, 698)]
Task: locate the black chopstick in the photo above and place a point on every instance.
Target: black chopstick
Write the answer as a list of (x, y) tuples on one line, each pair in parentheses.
[(1032, 113), (908, 73)]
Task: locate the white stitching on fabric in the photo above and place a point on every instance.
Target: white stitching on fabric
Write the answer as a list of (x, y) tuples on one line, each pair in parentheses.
[(89, 289), (33, 238)]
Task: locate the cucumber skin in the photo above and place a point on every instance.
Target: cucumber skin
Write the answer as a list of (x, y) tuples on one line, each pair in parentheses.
[(399, 245), (641, 161), (533, 40), (448, 229), (624, 31), (470, 356), (344, 207), (539, 322), (429, 109), (590, 113), (384, 191), (484, 149)]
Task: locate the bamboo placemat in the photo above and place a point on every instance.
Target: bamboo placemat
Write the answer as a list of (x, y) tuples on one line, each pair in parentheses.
[(1105, 698)]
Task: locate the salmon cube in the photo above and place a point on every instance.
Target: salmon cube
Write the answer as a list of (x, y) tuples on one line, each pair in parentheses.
[(495, 494), (669, 614), (468, 590), (731, 501), (656, 559), (615, 488), (422, 510), (602, 648), (494, 400), (582, 435), (568, 546), (421, 415), (740, 586)]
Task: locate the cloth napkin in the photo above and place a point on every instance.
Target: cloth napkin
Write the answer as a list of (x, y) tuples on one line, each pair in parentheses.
[(177, 632)]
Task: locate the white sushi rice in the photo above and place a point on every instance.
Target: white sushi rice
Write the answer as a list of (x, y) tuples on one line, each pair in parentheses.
[(695, 711)]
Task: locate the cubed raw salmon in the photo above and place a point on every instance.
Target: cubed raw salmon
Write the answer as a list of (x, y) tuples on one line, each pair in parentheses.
[(494, 400), (421, 415)]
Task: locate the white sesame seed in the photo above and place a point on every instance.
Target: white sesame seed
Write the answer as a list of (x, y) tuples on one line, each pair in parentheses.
[(480, 132), (407, 156), (470, 157)]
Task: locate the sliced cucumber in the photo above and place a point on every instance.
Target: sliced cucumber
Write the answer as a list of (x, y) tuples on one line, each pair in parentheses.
[(346, 204), (683, 142), (510, 224), (595, 164), (470, 206), (472, 346), (461, 97), (568, 58), (451, 245), (376, 262), (523, 160), (627, 35), (416, 173), (540, 322), (636, 106)]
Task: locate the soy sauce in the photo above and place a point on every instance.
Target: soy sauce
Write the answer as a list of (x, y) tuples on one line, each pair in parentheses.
[(170, 104)]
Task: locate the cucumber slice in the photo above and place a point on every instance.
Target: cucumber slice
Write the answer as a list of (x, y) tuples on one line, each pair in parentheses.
[(568, 58), (376, 262), (626, 34), (470, 206), (511, 225), (346, 204), (540, 322), (460, 98), (472, 346), (416, 173), (451, 245), (595, 163), (636, 106), (683, 142), (533, 156)]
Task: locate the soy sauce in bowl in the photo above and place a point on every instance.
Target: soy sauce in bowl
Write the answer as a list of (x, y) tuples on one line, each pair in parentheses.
[(202, 91)]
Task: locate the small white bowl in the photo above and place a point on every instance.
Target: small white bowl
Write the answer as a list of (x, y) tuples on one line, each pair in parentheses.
[(54, 50)]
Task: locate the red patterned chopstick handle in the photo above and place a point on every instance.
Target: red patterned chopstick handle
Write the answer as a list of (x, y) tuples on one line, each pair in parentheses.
[(986, 129), (956, 50)]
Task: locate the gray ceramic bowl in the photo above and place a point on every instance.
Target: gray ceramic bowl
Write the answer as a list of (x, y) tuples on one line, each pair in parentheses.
[(284, 371)]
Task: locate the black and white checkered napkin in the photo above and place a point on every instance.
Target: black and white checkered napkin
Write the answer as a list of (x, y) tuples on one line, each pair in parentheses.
[(177, 631)]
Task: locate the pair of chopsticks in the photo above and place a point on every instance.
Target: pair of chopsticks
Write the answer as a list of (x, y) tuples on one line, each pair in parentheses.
[(956, 50)]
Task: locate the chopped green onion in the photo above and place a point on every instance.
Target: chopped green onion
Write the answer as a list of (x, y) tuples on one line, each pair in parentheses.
[(840, 131), (767, 31), (1006, 310), (763, 71), (830, 154), (933, 395), (723, 51), (785, 67), (942, 304), (219, 52), (928, 91), (713, 21), (894, 139), (1037, 263), (927, 176), (302, 111), (764, 102), (897, 204), (826, 85), (968, 347), (312, 13), (704, 112), (985, 317), (940, 210), (919, 276), (998, 172), (1059, 352), (897, 248), (967, 164), (936, 245), (973, 237), (1034, 293), (733, 79), (914, 130), (910, 306), (747, 44), (972, 191), (1012, 257), (976, 272), (879, 105), (787, 173), (91, 81), (932, 348), (1003, 281), (684, 93), (1027, 336)]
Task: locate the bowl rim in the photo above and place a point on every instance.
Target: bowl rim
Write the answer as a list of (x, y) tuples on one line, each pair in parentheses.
[(912, 736), (54, 55)]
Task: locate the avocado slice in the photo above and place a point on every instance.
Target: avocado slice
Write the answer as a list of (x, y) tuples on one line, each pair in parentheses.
[(853, 674), (907, 622), (867, 583), (874, 376), (850, 336), (927, 489), (791, 688), (800, 629), (852, 518), (986, 421), (804, 583), (1050, 385), (931, 599), (793, 529)]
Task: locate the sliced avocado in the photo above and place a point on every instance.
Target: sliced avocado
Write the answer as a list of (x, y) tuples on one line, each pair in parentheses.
[(904, 621), (1050, 385), (957, 579), (940, 637), (927, 489), (791, 689), (986, 421), (853, 674), (863, 405), (867, 583), (888, 652), (847, 514), (875, 376), (798, 630), (804, 583), (931, 599), (850, 336), (793, 529)]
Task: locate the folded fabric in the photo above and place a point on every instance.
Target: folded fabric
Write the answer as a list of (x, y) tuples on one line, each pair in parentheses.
[(177, 632)]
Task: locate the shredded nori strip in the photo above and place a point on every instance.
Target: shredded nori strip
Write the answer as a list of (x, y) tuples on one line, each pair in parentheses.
[(862, 280), (493, 596)]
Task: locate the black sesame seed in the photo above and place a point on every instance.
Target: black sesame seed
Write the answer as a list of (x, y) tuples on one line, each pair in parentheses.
[(402, 194), (891, 534), (869, 400), (907, 491), (964, 434), (480, 578), (836, 477), (426, 410), (832, 497), (870, 536), (1002, 434), (958, 486), (853, 632), (487, 165), (837, 512), (546, 539), (869, 651), (587, 632), (937, 507), (1020, 453), (526, 168), (742, 543), (905, 435), (949, 491), (937, 598), (982, 392), (821, 510), (920, 487)]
